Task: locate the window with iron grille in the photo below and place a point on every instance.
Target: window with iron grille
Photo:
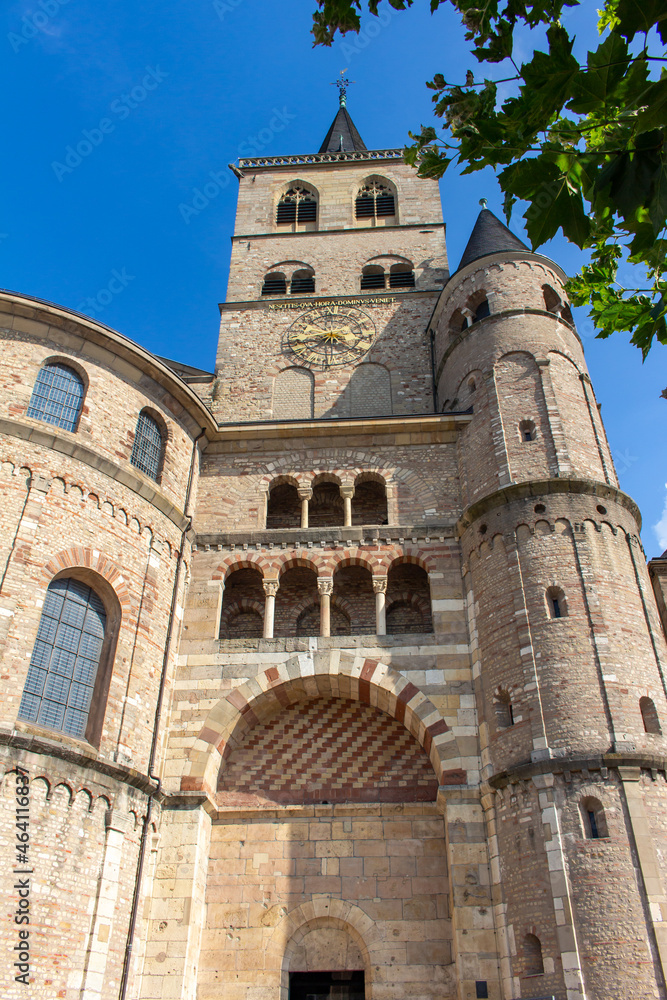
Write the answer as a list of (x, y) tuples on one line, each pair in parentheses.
[(275, 283), (65, 658), (57, 396), (374, 200), (148, 446), (296, 205)]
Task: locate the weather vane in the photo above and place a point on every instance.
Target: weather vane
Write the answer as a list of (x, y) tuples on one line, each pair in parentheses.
[(342, 85)]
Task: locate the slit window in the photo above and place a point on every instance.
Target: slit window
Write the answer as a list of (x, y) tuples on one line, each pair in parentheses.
[(556, 603), (57, 396), (504, 709), (148, 447), (532, 949), (594, 819), (65, 659), (527, 430)]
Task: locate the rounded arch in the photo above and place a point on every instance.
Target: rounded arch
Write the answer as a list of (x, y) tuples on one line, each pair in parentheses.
[(326, 477), (68, 362), (409, 559), (297, 205), (319, 913), (96, 570), (375, 201), (341, 560), (296, 562), (234, 562), (370, 682)]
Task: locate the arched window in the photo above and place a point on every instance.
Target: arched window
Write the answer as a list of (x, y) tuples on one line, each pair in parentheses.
[(57, 396), (275, 283), (593, 819), (369, 503), (372, 276), (527, 430), (284, 507), (65, 659), (242, 605), (354, 586), (556, 603), (148, 447), (297, 206), (326, 506), (375, 201), (401, 276), (408, 600), (482, 310), (650, 716), (303, 281), (504, 710), (554, 304), (532, 950)]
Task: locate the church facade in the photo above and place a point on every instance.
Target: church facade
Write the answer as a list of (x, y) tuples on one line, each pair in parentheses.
[(337, 671)]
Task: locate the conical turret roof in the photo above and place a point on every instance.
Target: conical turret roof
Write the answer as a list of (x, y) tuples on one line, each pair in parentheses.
[(342, 137), (489, 235)]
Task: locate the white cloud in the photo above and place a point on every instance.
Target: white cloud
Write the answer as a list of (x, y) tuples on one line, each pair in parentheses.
[(660, 528)]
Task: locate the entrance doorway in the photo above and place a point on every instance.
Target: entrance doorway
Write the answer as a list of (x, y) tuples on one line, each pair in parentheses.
[(326, 986)]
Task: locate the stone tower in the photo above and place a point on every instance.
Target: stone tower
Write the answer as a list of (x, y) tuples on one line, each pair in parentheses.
[(336, 671)]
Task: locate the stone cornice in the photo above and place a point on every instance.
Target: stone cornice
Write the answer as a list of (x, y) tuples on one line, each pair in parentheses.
[(540, 487), (566, 765), (304, 302), (66, 443), (343, 231)]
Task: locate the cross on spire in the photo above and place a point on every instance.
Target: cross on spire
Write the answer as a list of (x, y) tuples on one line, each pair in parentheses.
[(342, 85)]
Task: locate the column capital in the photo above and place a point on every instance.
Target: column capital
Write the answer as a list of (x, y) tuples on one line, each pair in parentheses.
[(270, 587), (347, 492), (305, 492), (380, 584), (325, 584)]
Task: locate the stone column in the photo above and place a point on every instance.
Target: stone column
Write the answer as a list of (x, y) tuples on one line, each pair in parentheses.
[(305, 494), (347, 492), (270, 589), (380, 588), (325, 588)]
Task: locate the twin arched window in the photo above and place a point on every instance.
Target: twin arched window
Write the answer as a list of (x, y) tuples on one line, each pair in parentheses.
[(400, 275), (302, 282), (65, 659), (57, 396)]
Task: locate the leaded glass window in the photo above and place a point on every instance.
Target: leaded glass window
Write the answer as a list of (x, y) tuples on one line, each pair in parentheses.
[(65, 658), (148, 444), (57, 396)]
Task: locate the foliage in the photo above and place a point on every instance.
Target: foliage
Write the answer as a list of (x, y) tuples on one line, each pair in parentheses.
[(583, 145)]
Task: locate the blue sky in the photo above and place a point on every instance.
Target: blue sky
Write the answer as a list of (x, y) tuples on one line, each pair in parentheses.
[(163, 95)]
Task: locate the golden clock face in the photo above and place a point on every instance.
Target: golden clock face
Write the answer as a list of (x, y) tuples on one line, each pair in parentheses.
[(330, 336)]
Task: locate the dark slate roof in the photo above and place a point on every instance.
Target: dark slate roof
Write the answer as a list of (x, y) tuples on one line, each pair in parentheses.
[(342, 125), (489, 235), (186, 372)]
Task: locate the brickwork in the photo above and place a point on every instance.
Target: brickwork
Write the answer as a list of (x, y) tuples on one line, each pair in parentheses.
[(327, 751)]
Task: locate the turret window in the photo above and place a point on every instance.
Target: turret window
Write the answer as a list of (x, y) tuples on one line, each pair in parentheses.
[(57, 396), (593, 819), (375, 201), (527, 430), (504, 709), (650, 716), (556, 603), (482, 310)]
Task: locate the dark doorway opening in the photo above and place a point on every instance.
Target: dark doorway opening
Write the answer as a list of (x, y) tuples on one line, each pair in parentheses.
[(326, 986)]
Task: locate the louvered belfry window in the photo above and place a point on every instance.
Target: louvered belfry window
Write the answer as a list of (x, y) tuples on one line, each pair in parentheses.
[(374, 200), (297, 205), (57, 396), (65, 658), (148, 446)]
